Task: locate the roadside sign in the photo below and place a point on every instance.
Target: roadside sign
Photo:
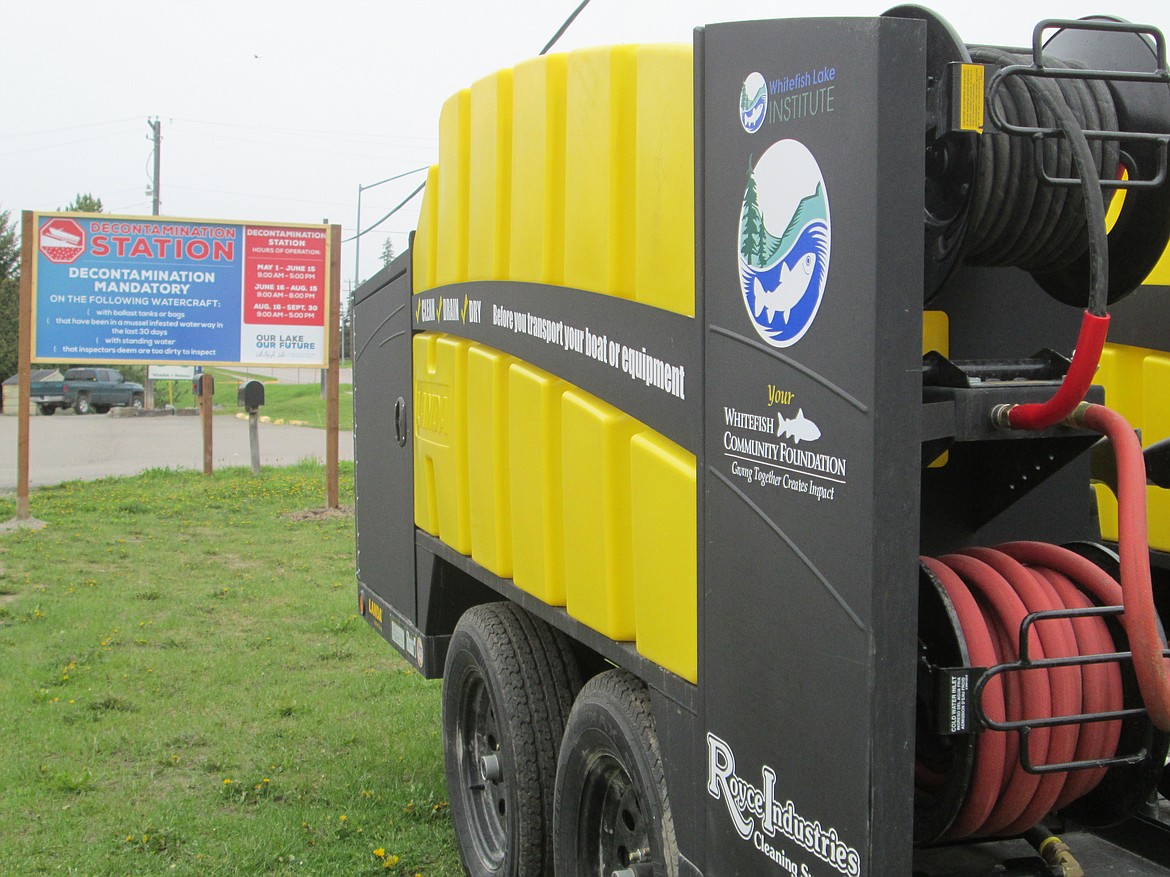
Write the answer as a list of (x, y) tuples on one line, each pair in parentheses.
[(120, 289)]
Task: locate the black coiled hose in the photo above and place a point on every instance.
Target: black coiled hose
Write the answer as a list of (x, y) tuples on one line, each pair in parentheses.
[(1016, 218)]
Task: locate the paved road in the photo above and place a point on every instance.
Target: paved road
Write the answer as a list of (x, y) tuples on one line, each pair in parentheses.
[(67, 447)]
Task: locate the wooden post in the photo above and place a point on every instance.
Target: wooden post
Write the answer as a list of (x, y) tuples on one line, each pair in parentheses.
[(206, 399), (332, 390), (254, 439), (24, 359)]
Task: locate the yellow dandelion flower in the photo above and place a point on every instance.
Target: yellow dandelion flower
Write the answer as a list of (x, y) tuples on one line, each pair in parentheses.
[(380, 853), (227, 782), (343, 817)]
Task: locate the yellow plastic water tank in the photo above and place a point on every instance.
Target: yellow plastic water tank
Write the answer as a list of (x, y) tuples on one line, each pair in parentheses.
[(454, 177), (534, 442), (422, 255), (1137, 384), (441, 494), (489, 459), (599, 584), (600, 125), (1120, 373), (537, 246), (664, 228), (490, 178), (1155, 427), (663, 498)]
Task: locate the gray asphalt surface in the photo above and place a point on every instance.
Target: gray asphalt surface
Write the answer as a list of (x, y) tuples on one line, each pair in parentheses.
[(66, 446)]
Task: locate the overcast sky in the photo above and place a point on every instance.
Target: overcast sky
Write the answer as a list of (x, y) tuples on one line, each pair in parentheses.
[(279, 110)]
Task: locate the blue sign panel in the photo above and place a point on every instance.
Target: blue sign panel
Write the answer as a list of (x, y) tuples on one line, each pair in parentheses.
[(122, 289)]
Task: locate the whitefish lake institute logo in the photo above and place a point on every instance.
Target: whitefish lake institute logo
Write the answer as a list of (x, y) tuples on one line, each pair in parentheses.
[(753, 103), (785, 238)]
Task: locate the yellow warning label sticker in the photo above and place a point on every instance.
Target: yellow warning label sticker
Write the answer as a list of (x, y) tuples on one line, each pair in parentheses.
[(971, 97)]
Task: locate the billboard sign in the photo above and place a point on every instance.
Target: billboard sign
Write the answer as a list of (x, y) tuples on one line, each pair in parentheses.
[(123, 289)]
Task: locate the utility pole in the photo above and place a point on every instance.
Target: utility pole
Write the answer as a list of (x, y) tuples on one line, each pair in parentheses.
[(156, 130)]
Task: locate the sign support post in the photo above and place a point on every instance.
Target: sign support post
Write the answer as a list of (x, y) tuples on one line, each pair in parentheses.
[(24, 368), (254, 439), (206, 398), (332, 390)]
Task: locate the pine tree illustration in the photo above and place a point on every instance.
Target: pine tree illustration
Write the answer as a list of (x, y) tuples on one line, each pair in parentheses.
[(752, 241)]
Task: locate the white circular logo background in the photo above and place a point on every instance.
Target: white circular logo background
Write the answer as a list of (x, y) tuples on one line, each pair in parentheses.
[(785, 239)]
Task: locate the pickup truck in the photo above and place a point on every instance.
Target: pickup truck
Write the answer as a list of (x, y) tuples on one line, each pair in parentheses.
[(87, 390)]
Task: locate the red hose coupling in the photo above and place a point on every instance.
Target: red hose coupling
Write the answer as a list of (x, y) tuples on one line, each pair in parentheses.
[(1086, 358), (1076, 418)]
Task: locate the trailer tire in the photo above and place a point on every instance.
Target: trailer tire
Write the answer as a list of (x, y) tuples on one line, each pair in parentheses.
[(612, 811), (508, 686)]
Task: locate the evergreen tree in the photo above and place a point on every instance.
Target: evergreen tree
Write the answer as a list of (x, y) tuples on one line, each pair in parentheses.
[(84, 203), (387, 251), (9, 295), (9, 246)]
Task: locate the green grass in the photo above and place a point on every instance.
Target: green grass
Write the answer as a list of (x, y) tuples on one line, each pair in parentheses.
[(285, 402), (187, 689), (291, 402)]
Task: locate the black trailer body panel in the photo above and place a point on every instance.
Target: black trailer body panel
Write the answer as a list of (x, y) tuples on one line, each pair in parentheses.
[(383, 465), (809, 617)]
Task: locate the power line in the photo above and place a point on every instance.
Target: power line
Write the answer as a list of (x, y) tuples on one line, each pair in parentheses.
[(564, 27), (66, 143), (298, 147), (306, 132), (400, 205), (258, 195), (66, 128)]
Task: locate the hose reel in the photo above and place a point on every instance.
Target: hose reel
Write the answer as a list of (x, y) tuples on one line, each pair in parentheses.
[(1008, 194), (1042, 711)]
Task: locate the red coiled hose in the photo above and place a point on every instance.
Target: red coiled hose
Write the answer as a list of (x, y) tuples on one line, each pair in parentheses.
[(992, 591)]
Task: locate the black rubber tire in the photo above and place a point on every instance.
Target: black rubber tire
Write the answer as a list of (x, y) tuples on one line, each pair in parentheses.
[(612, 811), (136, 401), (81, 405), (47, 410), (102, 409), (508, 687)]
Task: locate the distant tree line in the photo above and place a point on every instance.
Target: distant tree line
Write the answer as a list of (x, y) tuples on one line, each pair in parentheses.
[(10, 290)]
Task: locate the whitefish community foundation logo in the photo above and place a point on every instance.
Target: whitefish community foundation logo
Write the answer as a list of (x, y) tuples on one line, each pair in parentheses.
[(785, 238), (753, 103)]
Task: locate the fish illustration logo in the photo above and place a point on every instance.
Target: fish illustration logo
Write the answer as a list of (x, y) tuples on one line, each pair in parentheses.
[(798, 428), (753, 103), (783, 276), (789, 290)]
